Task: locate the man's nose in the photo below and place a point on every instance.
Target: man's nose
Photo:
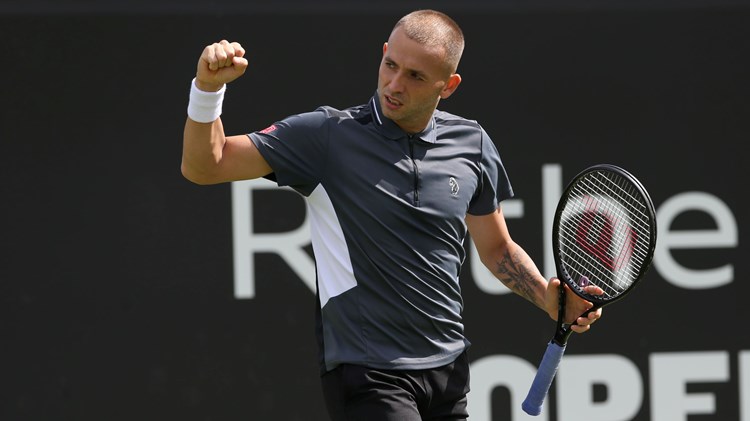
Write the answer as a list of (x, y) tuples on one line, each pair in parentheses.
[(397, 82)]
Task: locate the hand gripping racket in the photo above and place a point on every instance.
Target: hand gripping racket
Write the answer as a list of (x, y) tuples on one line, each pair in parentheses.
[(604, 234)]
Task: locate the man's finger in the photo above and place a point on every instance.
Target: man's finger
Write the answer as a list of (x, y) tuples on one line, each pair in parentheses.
[(238, 50), (593, 290), (240, 63)]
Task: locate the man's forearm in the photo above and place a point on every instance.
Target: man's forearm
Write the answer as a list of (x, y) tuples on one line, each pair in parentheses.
[(201, 149), (515, 269)]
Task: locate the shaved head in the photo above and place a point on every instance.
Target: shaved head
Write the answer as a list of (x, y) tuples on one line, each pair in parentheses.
[(437, 30)]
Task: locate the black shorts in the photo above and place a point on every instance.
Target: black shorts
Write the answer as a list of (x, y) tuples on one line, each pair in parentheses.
[(356, 393)]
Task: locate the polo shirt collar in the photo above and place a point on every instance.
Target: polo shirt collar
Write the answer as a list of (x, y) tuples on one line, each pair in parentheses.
[(391, 130)]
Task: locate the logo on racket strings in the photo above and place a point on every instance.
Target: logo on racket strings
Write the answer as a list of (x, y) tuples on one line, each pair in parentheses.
[(605, 236)]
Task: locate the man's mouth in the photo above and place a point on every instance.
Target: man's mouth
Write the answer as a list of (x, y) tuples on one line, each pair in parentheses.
[(392, 101)]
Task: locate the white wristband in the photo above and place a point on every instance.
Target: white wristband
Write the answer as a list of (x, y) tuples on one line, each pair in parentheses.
[(205, 107)]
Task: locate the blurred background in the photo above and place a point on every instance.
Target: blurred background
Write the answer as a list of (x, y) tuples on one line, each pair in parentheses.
[(128, 293)]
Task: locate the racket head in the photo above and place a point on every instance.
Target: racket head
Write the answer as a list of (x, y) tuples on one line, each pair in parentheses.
[(604, 233)]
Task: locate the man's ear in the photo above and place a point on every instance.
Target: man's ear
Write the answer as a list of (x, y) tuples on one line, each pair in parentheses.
[(385, 47), (453, 81)]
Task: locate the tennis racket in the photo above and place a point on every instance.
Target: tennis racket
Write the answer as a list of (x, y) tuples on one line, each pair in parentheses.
[(604, 234)]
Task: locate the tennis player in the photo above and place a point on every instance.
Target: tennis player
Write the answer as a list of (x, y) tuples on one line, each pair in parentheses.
[(393, 186)]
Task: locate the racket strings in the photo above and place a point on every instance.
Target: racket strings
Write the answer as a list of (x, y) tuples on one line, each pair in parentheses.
[(626, 194), (605, 232), (628, 206)]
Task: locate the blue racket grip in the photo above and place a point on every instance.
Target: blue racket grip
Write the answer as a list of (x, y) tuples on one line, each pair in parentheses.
[(532, 405)]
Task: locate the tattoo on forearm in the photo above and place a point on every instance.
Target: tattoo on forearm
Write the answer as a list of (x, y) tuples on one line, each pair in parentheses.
[(516, 275)]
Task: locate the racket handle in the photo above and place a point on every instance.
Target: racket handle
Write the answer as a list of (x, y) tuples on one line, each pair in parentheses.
[(532, 405)]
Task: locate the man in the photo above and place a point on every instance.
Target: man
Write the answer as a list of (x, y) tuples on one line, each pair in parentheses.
[(393, 187)]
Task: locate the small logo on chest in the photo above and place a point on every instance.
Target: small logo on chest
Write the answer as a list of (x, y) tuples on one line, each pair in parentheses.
[(454, 186)]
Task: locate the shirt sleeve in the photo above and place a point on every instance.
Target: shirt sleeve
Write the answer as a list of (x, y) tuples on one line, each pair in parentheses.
[(494, 183), (296, 149)]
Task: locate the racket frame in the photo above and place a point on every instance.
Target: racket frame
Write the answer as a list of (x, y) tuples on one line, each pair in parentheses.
[(563, 331), (534, 401)]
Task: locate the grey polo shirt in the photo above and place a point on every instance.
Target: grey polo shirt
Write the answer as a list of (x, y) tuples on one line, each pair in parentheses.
[(387, 218)]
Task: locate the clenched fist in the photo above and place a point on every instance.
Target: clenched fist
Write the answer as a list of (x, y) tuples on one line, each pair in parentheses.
[(220, 63)]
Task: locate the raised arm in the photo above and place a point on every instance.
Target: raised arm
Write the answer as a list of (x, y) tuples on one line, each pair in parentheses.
[(513, 267), (208, 155)]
